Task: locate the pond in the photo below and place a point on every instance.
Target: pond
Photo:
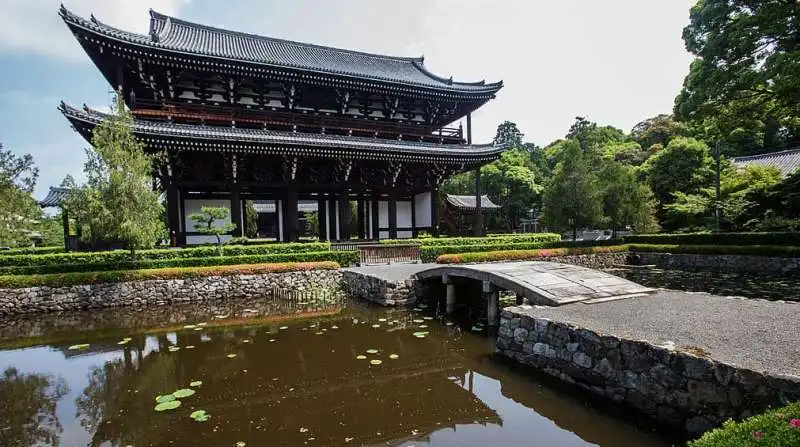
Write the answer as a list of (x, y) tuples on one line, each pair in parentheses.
[(726, 284), (260, 373)]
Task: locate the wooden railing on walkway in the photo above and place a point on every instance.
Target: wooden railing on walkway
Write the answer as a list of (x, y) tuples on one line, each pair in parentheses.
[(349, 246), (377, 254)]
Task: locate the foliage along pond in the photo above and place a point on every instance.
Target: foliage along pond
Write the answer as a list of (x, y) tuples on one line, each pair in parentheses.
[(260, 372)]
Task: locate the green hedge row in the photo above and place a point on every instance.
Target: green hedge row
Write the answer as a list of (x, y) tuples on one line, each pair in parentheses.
[(489, 240), (32, 251), (430, 253), (716, 239), (69, 279), (526, 255), (778, 427), (754, 250), (121, 256), (345, 258)]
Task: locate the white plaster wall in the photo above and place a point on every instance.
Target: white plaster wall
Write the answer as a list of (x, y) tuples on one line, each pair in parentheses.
[(384, 235), (192, 206), (383, 216), (404, 215), (404, 235), (422, 209)]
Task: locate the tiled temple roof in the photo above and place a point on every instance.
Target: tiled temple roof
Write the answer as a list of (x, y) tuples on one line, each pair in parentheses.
[(55, 197), (786, 161), (468, 202), (187, 38), (221, 135)]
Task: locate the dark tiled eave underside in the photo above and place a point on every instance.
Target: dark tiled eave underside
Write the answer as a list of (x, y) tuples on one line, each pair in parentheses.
[(185, 38), (212, 138), (55, 197)]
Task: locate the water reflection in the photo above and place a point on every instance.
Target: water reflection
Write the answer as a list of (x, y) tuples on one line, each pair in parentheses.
[(28, 409), (301, 382)]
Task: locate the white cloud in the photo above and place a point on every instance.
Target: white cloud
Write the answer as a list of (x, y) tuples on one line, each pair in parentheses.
[(34, 26)]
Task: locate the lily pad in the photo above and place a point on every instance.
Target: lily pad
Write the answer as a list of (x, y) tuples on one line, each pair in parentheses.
[(334, 327), (423, 326), (190, 326), (427, 318), (449, 323), (477, 328), (174, 348), (421, 334), (372, 351), (240, 444), (283, 328), (394, 356), (182, 393), (202, 324), (80, 346), (419, 321), (171, 405), (190, 347), (196, 383), (165, 398), (198, 329), (382, 320), (231, 356), (375, 362), (361, 357), (376, 325), (200, 415)]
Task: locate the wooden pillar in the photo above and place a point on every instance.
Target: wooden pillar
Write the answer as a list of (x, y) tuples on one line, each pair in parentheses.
[(290, 214), (414, 232), (478, 204), (173, 214), (333, 211), (361, 212), (376, 232), (492, 297), (65, 226), (392, 216), (236, 211), (322, 219), (450, 303), (435, 213), (344, 217)]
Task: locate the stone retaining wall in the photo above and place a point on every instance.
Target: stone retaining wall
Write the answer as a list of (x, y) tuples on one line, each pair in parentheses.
[(377, 290), (592, 261), (676, 388), (765, 265), (163, 291)]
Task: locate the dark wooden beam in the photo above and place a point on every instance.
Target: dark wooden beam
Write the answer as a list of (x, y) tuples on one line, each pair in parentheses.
[(361, 213), (435, 212), (344, 217), (173, 213), (333, 205), (414, 232), (392, 217), (65, 226), (375, 218), (290, 214), (322, 219)]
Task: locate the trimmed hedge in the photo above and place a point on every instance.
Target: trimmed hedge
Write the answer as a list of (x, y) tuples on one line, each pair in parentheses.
[(778, 427), (68, 279), (429, 254), (489, 240), (526, 255), (753, 250), (32, 251), (716, 239), (346, 258), (122, 256)]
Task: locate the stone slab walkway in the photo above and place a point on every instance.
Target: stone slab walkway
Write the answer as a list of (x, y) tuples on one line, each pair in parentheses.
[(756, 334), (393, 272)]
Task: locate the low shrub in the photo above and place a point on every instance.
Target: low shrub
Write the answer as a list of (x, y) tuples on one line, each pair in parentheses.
[(32, 251), (489, 240), (121, 256), (753, 250), (68, 279), (430, 253), (345, 258), (779, 427), (525, 255), (776, 238)]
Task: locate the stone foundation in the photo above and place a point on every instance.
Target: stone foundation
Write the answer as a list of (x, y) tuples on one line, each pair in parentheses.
[(164, 291), (763, 265), (377, 290), (593, 261), (677, 389)]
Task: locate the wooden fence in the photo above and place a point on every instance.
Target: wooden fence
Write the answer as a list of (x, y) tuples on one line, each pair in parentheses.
[(376, 254)]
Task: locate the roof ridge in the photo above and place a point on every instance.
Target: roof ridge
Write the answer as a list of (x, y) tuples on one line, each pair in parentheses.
[(767, 154), (160, 16)]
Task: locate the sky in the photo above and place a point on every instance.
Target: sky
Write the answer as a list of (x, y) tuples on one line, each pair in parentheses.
[(616, 62)]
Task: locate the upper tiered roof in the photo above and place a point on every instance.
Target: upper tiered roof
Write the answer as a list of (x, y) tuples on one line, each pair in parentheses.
[(180, 38)]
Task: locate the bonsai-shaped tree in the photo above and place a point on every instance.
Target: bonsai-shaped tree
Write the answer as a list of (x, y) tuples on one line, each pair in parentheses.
[(204, 223)]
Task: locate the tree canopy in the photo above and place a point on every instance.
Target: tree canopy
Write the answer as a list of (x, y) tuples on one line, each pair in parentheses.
[(19, 212)]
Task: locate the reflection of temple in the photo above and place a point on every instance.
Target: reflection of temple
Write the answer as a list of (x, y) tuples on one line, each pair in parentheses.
[(287, 391)]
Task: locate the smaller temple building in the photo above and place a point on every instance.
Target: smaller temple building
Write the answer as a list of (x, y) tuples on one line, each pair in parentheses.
[(460, 214)]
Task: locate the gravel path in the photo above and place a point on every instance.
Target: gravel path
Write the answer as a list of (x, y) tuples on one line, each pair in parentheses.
[(756, 334)]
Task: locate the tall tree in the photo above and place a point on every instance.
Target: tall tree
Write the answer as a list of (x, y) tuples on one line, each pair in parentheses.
[(658, 130), (745, 78), (29, 408), (511, 182), (118, 195), (508, 133), (573, 196), (627, 201), (19, 212)]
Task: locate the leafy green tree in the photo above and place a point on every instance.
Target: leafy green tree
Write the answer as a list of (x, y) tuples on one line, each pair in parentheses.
[(208, 222), (508, 133), (52, 230), (118, 201), (251, 224), (744, 79), (29, 408), (573, 197), (658, 130), (511, 182), (685, 165), (19, 212), (627, 201)]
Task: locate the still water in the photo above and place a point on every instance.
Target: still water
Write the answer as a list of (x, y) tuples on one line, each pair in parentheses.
[(261, 373)]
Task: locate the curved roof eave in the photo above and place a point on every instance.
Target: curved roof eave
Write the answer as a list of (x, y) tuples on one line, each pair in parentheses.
[(158, 39)]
